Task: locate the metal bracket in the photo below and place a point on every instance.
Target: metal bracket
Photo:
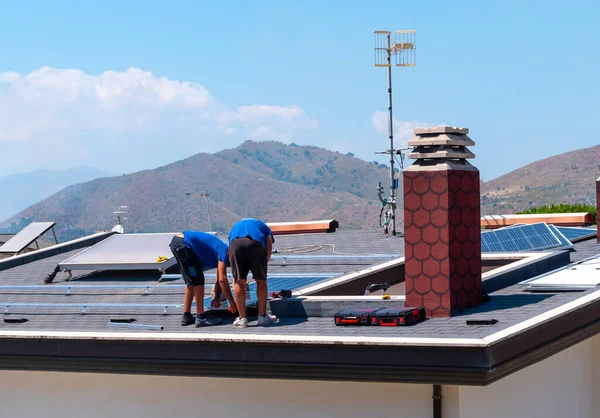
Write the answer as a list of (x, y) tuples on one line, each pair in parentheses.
[(83, 309), (6, 309), (164, 310), (68, 290), (146, 290)]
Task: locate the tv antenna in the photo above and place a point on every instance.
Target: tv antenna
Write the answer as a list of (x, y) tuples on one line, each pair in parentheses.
[(403, 48), (119, 212), (202, 195)]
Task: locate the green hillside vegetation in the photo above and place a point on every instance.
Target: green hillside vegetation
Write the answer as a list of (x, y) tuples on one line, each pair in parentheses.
[(562, 208), (566, 178)]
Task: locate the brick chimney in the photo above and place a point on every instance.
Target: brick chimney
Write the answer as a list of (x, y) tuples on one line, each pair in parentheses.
[(598, 210), (442, 225)]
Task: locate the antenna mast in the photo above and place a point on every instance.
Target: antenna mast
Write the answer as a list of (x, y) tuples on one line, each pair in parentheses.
[(403, 47)]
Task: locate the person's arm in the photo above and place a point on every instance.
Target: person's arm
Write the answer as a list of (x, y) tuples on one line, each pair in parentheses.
[(269, 247), (224, 285)]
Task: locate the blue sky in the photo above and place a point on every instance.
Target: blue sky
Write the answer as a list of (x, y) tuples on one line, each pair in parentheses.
[(523, 76)]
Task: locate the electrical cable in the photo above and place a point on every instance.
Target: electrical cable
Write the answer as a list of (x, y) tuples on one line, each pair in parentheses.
[(300, 249)]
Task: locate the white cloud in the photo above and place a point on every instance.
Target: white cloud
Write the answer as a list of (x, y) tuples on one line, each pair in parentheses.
[(403, 130), (126, 120)]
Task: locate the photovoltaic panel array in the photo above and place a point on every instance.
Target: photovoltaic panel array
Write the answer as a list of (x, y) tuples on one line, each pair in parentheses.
[(275, 285), (577, 234), (563, 240), (521, 238), (26, 237)]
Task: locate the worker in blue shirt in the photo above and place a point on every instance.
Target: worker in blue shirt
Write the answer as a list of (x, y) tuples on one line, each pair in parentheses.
[(195, 252), (250, 247)]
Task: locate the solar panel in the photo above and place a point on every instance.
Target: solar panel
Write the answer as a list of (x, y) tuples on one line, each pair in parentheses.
[(275, 285), (26, 237), (522, 238), (563, 240), (577, 234), (579, 276), (125, 252)]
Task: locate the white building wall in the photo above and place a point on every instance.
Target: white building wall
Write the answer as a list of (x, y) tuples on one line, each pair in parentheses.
[(566, 385), (596, 374), (76, 395), (558, 387)]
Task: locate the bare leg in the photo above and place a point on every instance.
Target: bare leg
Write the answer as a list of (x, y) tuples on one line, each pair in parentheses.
[(240, 297), (188, 297), (199, 296), (261, 294)]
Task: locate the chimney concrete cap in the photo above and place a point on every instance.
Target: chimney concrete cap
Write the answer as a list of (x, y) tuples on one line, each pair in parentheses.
[(441, 130)]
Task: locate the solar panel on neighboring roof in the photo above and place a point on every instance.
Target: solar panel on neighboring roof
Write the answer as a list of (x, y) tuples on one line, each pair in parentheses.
[(26, 237), (520, 238), (577, 234), (125, 252)]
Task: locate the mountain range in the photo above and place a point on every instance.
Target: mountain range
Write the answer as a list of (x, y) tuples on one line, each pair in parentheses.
[(20, 191), (279, 182)]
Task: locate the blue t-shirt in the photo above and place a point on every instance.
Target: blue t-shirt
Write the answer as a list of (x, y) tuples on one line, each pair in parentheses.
[(209, 249), (253, 228)]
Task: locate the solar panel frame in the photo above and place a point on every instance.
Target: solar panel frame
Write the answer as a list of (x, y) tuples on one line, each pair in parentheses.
[(564, 241), (26, 237), (577, 234), (530, 237), (276, 284), (125, 252), (574, 277)]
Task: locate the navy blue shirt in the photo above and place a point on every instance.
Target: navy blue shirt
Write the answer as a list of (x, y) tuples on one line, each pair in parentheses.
[(253, 228), (209, 249)]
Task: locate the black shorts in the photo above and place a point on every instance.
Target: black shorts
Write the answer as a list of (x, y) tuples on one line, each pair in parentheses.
[(247, 255), (189, 263)]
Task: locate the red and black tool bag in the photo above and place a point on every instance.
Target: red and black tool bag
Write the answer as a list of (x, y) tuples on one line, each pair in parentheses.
[(395, 317), (355, 316)]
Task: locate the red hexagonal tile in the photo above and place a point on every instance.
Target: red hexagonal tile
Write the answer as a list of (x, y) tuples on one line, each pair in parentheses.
[(475, 298), (440, 251), (420, 185), (422, 285), (462, 299), (444, 200), (408, 285), (407, 218), (460, 199), (421, 218), (430, 234), (439, 183), (454, 216), (430, 201), (462, 267), (412, 202), (473, 200), (431, 268), (421, 251), (412, 235), (467, 250), (475, 267), (414, 299), (467, 216), (455, 283), (474, 233), (468, 282), (407, 183), (466, 183), (453, 182), (445, 268), (461, 233), (439, 217), (445, 234), (408, 251), (455, 250), (412, 268), (478, 284), (440, 284)]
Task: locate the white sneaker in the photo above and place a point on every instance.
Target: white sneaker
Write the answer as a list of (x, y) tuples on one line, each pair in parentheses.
[(240, 322), (267, 319)]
